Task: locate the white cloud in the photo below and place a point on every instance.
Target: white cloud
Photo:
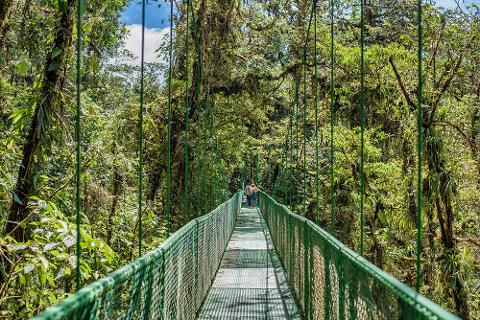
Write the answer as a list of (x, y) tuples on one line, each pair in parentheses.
[(154, 37)]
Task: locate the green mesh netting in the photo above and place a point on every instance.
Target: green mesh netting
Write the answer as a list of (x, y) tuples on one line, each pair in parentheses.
[(331, 281), (170, 282)]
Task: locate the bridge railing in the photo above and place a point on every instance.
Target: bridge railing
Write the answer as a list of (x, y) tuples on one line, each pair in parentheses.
[(331, 281), (170, 282)]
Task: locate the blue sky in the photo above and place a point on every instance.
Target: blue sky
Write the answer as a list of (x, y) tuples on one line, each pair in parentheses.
[(451, 3), (157, 15), (157, 21)]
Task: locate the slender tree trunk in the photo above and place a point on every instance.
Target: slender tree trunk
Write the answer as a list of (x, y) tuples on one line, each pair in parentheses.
[(475, 145), (158, 170), (376, 250), (5, 8), (440, 193), (408, 171), (48, 99), (116, 183)]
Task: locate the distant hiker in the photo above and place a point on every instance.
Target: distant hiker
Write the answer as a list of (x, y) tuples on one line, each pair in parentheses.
[(249, 191), (254, 194)]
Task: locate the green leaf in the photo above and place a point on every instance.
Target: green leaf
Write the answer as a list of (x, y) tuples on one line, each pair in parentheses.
[(83, 6), (17, 199), (43, 277), (23, 65), (54, 66), (56, 52), (28, 267)]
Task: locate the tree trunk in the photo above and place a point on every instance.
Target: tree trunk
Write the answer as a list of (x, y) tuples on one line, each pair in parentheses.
[(49, 99), (5, 8), (440, 193), (475, 145), (376, 249), (116, 182), (408, 171)]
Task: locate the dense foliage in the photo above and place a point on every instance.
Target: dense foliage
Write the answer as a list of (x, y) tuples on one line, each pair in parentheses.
[(245, 81)]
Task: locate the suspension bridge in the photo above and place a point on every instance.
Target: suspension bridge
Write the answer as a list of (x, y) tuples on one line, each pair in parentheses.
[(262, 262)]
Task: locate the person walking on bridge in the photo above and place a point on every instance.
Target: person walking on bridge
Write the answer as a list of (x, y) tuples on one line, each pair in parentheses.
[(249, 191), (254, 194)]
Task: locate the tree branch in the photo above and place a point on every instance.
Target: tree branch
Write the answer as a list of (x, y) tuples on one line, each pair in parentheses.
[(447, 82), (410, 102), (459, 130)]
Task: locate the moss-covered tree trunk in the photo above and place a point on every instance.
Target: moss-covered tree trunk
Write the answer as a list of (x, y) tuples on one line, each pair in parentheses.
[(116, 186), (5, 8), (441, 192), (49, 99)]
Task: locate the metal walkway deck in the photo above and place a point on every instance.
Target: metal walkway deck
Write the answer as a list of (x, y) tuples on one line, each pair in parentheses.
[(250, 283)]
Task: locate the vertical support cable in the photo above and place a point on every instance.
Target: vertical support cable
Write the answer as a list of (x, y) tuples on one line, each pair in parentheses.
[(77, 138), (304, 176), (140, 140), (278, 178), (199, 163), (215, 180), (332, 111), (283, 180), (185, 172), (256, 170), (419, 149), (297, 138), (362, 123), (317, 192), (291, 159), (214, 164), (169, 134), (204, 151), (281, 175), (199, 109), (306, 269)]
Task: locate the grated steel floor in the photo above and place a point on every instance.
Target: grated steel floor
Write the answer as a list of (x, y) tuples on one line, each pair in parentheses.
[(251, 282)]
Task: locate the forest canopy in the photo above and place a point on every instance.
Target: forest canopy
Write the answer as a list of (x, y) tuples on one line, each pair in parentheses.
[(249, 73)]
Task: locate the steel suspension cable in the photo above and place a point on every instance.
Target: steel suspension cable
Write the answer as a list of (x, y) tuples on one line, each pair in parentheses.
[(213, 186), (278, 177), (185, 171), (297, 138), (204, 151), (212, 150), (291, 157), (304, 176), (418, 282), (169, 133), (279, 187), (256, 170), (77, 138), (215, 173), (304, 63), (332, 118), (285, 170), (198, 106), (141, 133), (199, 164), (317, 192), (362, 123)]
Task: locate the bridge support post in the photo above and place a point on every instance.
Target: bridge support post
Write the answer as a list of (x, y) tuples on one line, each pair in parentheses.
[(197, 303), (353, 291), (306, 270), (341, 285), (327, 287)]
